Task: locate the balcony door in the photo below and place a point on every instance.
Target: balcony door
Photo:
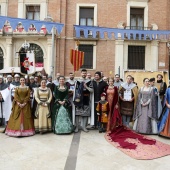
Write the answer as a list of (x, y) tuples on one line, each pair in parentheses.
[(137, 18)]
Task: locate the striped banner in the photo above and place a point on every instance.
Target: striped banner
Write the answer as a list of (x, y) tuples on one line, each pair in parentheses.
[(76, 59)]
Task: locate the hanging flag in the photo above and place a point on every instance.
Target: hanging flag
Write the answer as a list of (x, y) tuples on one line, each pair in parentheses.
[(27, 63), (76, 59)]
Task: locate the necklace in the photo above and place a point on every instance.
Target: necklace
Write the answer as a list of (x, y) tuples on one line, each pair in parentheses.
[(111, 87)]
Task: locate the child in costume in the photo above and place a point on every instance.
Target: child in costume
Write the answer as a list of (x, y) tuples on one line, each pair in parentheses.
[(102, 112)]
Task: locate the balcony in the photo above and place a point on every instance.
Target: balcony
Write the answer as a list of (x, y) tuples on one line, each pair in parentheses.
[(87, 38), (137, 35)]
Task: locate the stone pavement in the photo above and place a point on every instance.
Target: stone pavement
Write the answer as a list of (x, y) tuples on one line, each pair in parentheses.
[(82, 151)]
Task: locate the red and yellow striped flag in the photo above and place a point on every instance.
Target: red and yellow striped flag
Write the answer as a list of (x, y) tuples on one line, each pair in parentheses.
[(76, 59)]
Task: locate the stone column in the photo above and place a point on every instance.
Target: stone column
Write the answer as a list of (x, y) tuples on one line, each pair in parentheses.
[(154, 56), (119, 52), (9, 55), (21, 9)]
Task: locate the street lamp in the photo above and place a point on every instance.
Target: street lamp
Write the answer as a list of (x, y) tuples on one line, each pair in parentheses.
[(26, 45)]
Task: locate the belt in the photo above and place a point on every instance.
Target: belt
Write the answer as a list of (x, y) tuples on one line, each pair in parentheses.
[(86, 95)]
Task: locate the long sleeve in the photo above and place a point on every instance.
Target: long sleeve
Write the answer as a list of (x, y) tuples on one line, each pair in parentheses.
[(56, 94), (50, 96), (163, 89), (98, 107), (16, 96), (36, 96), (27, 99)]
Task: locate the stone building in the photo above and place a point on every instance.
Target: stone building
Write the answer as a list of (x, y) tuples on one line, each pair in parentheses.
[(110, 55)]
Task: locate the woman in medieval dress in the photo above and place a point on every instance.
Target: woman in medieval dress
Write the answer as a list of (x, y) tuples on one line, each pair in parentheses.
[(112, 98), (21, 121), (43, 96), (145, 116), (164, 124), (62, 123)]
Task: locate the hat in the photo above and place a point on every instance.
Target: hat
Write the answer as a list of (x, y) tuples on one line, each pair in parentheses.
[(9, 76), (17, 75), (49, 76), (103, 94), (32, 77)]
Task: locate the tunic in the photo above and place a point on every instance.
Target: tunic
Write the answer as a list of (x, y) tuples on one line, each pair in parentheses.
[(103, 109), (82, 98), (42, 121), (126, 107), (21, 121)]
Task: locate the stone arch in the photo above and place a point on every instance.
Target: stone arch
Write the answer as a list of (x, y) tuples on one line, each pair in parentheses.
[(39, 53)]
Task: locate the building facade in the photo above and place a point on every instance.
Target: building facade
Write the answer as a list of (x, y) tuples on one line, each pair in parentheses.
[(101, 53)]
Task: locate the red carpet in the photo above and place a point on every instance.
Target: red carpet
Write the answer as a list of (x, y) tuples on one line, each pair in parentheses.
[(135, 145)]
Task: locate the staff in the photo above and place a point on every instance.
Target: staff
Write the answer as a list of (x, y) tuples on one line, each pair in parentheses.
[(1, 100)]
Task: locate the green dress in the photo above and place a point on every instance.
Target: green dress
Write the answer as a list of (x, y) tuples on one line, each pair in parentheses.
[(61, 120)]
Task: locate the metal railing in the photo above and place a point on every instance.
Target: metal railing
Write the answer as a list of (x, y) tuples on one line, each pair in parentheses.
[(138, 28)]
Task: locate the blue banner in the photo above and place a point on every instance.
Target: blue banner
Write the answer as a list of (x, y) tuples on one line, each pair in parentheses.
[(26, 24), (121, 33)]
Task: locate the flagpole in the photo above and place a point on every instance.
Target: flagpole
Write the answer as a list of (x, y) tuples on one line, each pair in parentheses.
[(52, 53)]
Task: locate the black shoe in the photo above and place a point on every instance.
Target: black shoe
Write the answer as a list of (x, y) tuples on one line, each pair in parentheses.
[(104, 130), (100, 131)]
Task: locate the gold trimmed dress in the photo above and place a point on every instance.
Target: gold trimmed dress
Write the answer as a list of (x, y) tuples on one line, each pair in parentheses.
[(21, 121), (42, 121)]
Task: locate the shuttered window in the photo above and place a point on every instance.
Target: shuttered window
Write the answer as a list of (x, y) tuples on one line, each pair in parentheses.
[(136, 57), (88, 56)]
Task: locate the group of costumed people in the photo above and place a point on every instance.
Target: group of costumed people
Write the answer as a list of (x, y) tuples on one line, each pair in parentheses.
[(67, 106)]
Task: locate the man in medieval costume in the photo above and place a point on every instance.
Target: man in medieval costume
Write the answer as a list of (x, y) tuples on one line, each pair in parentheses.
[(99, 86), (161, 86), (2, 111), (128, 96), (9, 80), (82, 101), (70, 83), (16, 80)]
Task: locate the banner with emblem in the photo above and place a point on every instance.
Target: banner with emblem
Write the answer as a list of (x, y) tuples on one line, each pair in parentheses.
[(27, 62), (76, 59)]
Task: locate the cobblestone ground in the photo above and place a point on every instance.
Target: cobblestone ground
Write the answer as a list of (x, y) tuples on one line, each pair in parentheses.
[(53, 152)]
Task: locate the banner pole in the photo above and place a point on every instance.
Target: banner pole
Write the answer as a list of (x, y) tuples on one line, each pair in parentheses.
[(52, 53)]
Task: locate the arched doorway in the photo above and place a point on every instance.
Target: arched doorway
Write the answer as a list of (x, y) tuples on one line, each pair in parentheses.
[(1, 59), (39, 61)]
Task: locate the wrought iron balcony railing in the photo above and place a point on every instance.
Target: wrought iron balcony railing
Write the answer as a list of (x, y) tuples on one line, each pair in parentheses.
[(138, 28)]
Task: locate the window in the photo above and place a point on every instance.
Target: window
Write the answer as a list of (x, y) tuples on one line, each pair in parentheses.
[(86, 16), (136, 57), (33, 12), (88, 56), (137, 18), (1, 59)]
